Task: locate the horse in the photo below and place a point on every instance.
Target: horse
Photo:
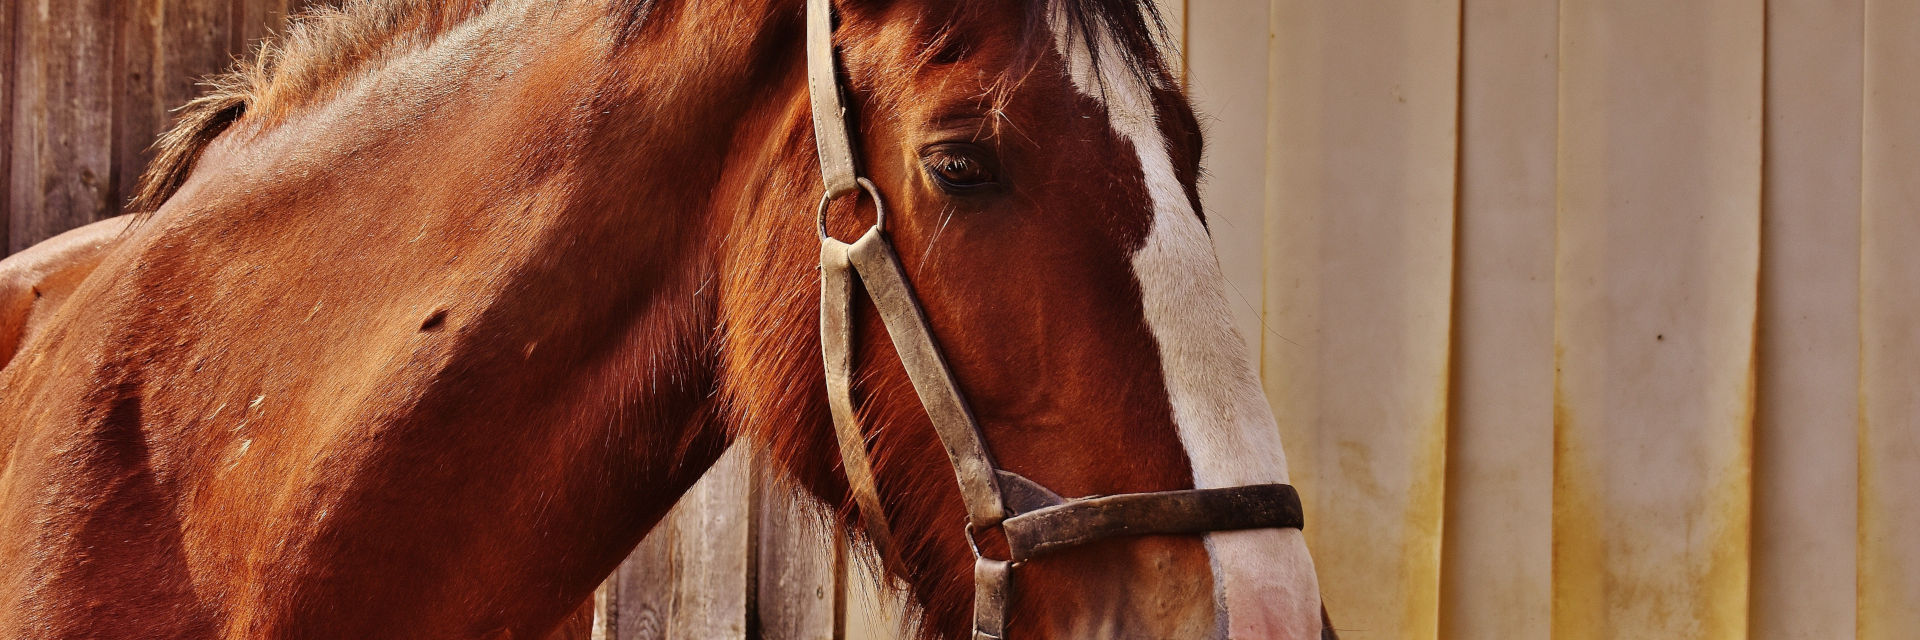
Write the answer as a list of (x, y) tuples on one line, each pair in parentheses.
[(433, 308)]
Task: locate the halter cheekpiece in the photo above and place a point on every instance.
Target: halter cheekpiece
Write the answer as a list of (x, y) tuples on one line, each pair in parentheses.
[(1035, 520)]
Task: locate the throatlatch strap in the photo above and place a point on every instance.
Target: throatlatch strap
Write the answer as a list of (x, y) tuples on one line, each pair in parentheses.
[(829, 116), (836, 345)]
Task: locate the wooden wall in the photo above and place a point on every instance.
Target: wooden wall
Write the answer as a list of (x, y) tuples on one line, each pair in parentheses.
[(86, 85), (739, 557)]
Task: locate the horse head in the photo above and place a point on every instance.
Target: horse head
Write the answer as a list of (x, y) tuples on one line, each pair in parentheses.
[(1038, 166)]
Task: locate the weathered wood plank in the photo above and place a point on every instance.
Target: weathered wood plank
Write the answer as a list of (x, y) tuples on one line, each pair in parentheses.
[(640, 594), (8, 10), (62, 173), (254, 20), (711, 551), (688, 579), (167, 47), (795, 558)]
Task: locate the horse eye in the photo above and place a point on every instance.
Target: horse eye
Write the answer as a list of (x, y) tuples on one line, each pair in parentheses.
[(958, 169)]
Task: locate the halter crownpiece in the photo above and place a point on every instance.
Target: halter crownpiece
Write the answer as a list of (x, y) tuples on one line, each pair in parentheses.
[(1035, 521)]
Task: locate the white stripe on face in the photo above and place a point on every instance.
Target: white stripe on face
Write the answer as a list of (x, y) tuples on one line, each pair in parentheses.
[(1264, 585)]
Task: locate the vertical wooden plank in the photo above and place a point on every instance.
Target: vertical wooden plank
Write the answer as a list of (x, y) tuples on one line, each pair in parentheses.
[(9, 11), (1889, 458), (1657, 271), (688, 578), (141, 112), (1805, 447), (710, 549), (254, 20), (296, 7), (62, 118), (640, 595), (1227, 79), (606, 609), (795, 572), (167, 48), (1497, 564), (1360, 181)]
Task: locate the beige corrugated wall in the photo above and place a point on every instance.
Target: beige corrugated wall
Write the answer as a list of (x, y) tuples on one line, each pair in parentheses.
[(1583, 319)]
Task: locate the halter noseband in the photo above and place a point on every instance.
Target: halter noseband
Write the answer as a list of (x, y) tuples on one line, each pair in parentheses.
[(1036, 521)]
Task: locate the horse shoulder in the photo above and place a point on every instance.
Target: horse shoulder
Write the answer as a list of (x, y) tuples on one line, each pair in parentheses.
[(37, 281)]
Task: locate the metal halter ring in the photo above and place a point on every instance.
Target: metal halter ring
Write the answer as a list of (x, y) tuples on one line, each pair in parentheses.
[(974, 544), (879, 207)]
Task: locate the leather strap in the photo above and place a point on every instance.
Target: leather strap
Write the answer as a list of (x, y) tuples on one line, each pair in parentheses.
[(829, 117), (879, 270), (1259, 506), (1041, 521), (992, 590), (836, 345)]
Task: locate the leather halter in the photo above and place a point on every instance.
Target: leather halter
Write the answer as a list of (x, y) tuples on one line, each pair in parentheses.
[(1035, 521)]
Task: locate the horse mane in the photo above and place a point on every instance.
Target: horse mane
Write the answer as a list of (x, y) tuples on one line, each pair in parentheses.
[(326, 46), (322, 49)]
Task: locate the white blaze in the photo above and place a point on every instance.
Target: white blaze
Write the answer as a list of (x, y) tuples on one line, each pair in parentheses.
[(1263, 579)]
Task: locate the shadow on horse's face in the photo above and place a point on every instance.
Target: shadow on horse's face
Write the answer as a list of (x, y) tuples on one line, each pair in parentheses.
[(1040, 181)]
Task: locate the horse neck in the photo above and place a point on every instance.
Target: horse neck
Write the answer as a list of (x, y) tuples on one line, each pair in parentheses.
[(556, 397)]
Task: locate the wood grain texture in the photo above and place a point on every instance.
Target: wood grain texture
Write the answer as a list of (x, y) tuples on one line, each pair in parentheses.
[(255, 20), (167, 47), (795, 564), (9, 12), (711, 550), (63, 168), (688, 579)]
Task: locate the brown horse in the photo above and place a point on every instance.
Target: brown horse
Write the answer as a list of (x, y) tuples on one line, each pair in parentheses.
[(440, 306)]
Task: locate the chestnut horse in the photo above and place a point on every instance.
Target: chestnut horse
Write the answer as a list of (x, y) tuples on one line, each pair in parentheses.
[(441, 304)]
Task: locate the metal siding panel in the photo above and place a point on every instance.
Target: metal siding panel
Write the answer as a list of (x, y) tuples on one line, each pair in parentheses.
[(1889, 553), (1805, 472), (1497, 565), (1657, 269), (1359, 263)]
